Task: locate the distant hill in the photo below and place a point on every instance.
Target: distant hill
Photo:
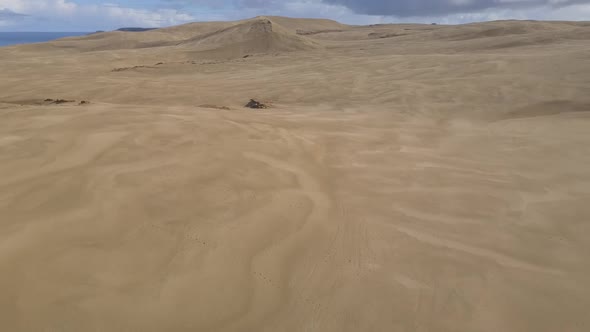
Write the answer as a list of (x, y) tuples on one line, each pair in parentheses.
[(135, 29)]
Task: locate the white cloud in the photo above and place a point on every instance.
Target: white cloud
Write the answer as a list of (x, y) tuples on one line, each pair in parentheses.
[(69, 15), (28, 6), (122, 16)]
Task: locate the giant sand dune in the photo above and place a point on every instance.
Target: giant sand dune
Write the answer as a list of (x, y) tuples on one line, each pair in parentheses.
[(404, 178)]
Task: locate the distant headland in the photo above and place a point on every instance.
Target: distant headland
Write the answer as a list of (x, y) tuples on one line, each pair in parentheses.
[(134, 29)]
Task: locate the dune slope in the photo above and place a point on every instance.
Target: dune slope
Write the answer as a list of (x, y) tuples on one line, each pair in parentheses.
[(259, 35), (405, 178)]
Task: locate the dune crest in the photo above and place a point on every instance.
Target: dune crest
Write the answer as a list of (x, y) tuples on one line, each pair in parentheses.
[(259, 35)]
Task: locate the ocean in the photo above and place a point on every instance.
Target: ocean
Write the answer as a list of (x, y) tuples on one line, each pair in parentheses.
[(12, 38)]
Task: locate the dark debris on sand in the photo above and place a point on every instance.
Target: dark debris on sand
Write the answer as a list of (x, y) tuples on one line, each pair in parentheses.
[(256, 104), (50, 101), (225, 108), (58, 101)]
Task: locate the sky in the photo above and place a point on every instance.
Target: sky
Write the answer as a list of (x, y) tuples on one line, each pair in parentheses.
[(93, 15)]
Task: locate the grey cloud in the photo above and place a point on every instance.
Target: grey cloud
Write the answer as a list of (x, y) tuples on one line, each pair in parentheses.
[(232, 3), (400, 8), (9, 15), (259, 3), (383, 8), (408, 8)]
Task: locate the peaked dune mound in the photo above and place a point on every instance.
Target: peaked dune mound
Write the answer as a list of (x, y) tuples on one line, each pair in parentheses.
[(259, 35), (211, 39), (194, 29)]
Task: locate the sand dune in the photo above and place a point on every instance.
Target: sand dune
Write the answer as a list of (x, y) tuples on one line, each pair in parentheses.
[(406, 178), (257, 35), (260, 35)]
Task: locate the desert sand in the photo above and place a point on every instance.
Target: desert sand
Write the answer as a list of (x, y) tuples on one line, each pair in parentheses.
[(405, 178)]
